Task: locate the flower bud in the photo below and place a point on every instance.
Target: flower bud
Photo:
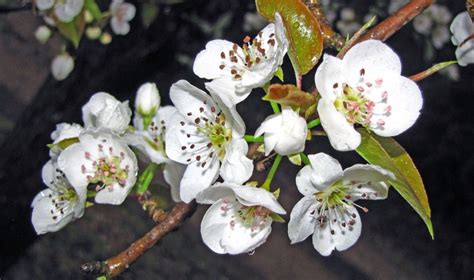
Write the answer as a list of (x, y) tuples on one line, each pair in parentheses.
[(62, 66), (147, 100), (42, 34), (93, 32), (106, 38)]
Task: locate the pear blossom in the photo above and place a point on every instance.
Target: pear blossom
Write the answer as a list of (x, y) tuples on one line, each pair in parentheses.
[(104, 111), (148, 99), (207, 137), (61, 66), (150, 141), (285, 132), (58, 205), (328, 209), (433, 22), (122, 12), (103, 160), (65, 10), (462, 28), (243, 68), (366, 88), (239, 219)]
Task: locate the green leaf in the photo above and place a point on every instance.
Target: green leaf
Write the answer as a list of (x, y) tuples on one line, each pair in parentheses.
[(277, 218), (279, 74), (93, 8), (276, 193), (72, 30), (101, 278), (387, 153), (145, 178), (295, 159), (149, 13), (64, 143), (290, 95), (302, 29)]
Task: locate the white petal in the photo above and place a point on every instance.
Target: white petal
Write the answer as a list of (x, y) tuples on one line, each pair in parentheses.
[(173, 173), (104, 111), (208, 61), (191, 102), (215, 193), (292, 135), (164, 115), (373, 56), (66, 131), (225, 89), (232, 118), (465, 53), (68, 10), (48, 174), (44, 211), (252, 196), (119, 27), (196, 179), (44, 4), (214, 223), (70, 162), (370, 180), (324, 242), (405, 100), (461, 27), (236, 167), (127, 11), (62, 66), (341, 134), (329, 74), (326, 170), (242, 239), (304, 183), (302, 221)]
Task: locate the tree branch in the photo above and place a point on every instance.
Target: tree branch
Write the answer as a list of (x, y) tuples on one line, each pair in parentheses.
[(393, 23), (113, 266)]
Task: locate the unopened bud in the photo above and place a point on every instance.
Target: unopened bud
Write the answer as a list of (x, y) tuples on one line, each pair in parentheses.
[(88, 16), (148, 99), (42, 34), (106, 38), (62, 66), (93, 32)]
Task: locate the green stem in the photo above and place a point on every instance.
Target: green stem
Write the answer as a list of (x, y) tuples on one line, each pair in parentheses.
[(314, 123), (271, 174), (253, 139), (305, 159), (146, 177), (275, 107)]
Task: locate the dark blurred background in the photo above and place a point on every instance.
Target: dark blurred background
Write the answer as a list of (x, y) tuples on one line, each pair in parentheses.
[(394, 242)]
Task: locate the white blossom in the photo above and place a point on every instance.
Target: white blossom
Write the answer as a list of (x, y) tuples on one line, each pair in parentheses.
[(239, 219), (147, 100), (103, 160), (65, 10), (207, 137), (462, 28), (433, 22), (284, 132), (241, 69), (62, 66), (328, 209), (365, 88), (58, 205), (122, 12), (104, 111)]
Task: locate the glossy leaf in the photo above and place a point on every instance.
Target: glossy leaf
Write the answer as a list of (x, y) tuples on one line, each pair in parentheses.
[(93, 9), (302, 29), (290, 95), (387, 153)]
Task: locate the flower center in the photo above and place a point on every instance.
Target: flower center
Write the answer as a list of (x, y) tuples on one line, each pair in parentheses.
[(252, 217), (107, 170), (219, 136), (365, 103), (156, 140), (354, 105), (253, 52), (334, 209)]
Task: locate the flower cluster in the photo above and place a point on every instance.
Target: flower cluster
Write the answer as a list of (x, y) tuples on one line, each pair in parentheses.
[(69, 18), (200, 143)]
